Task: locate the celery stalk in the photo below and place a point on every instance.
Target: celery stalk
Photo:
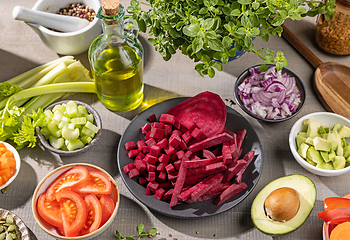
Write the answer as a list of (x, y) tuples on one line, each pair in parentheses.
[(41, 102), (50, 76)]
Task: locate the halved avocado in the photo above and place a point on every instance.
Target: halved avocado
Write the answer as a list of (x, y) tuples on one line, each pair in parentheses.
[(307, 196)]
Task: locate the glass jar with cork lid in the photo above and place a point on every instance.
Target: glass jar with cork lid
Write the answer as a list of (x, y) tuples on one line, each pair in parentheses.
[(333, 35), (116, 59)]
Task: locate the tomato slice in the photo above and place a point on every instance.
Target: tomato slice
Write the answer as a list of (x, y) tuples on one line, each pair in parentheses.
[(98, 183), (67, 179), (335, 216), (94, 214), (332, 203), (49, 210), (107, 205), (74, 212)]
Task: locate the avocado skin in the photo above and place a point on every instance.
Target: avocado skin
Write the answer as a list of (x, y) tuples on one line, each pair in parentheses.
[(305, 207)]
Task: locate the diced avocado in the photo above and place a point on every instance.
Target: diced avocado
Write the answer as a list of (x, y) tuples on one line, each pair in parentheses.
[(311, 162), (336, 127), (312, 127), (300, 140), (303, 150), (326, 128), (321, 144), (344, 143), (302, 134), (348, 160), (339, 162), (314, 155), (307, 195), (325, 156), (346, 151), (334, 139), (321, 130), (326, 166), (309, 141), (344, 132), (331, 155)]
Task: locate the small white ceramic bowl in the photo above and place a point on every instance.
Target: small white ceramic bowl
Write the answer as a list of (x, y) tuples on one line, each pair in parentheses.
[(70, 43), (47, 180), (18, 164), (324, 118)]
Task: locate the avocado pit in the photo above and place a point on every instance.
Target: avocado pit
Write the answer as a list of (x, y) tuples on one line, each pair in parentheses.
[(282, 204)]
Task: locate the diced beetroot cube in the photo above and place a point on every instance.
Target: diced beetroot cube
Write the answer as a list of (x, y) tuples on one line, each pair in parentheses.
[(150, 142), (167, 129), (133, 153), (152, 118), (167, 119), (130, 145), (140, 156), (177, 124), (157, 133), (128, 167), (164, 159), (169, 150), (186, 136), (162, 143), (146, 128), (161, 167), (147, 136), (145, 149), (183, 145), (196, 133), (188, 123), (177, 133), (142, 180), (157, 125), (133, 173), (159, 193), (148, 191), (140, 144), (169, 168), (166, 185), (188, 154), (151, 167), (155, 150), (174, 140), (153, 186), (140, 165), (161, 176), (151, 176), (168, 194), (177, 164), (180, 154), (150, 159), (172, 176)]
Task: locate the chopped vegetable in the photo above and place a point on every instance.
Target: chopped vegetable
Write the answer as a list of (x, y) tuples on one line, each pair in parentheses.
[(341, 232), (270, 94), (7, 164)]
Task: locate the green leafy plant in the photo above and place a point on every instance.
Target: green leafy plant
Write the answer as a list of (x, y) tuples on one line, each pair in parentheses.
[(140, 233), (204, 30)]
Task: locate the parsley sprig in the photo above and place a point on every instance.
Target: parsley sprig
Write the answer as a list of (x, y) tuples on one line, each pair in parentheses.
[(205, 29), (140, 233)]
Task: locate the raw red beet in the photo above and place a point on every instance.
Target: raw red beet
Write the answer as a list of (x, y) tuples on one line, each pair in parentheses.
[(206, 109), (209, 142), (180, 180), (230, 192)]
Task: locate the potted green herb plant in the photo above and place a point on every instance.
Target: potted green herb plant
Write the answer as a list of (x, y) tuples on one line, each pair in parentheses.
[(205, 30)]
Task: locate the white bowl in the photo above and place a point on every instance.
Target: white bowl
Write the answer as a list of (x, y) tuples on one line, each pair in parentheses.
[(70, 43), (18, 163), (47, 180), (324, 118)]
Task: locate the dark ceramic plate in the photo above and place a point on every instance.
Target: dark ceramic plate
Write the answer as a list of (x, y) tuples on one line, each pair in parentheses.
[(234, 122), (241, 78)]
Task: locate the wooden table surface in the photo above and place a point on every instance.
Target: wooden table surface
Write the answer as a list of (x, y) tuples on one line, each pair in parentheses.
[(21, 50)]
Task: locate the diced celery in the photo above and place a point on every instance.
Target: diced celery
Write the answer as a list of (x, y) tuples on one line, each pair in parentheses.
[(70, 134), (86, 139), (62, 124), (54, 130), (71, 109), (74, 144), (57, 116), (65, 119), (78, 120), (82, 112), (90, 118), (44, 131), (56, 142), (48, 114), (92, 127), (87, 132), (60, 108), (71, 126)]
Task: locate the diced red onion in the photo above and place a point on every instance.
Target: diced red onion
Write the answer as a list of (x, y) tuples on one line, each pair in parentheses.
[(270, 94)]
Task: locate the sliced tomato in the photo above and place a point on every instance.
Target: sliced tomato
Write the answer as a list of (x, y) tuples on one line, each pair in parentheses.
[(332, 203), (98, 183), (107, 205), (49, 210), (335, 216), (67, 180), (74, 212), (94, 214)]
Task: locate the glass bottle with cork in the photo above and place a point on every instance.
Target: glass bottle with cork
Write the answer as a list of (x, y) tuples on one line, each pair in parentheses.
[(333, 35), (116, 59)]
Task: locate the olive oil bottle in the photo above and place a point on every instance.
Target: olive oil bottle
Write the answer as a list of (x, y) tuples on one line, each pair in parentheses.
[(116, 59)]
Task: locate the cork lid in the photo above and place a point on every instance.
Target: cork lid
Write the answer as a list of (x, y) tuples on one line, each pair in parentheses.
[(110, 7)]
